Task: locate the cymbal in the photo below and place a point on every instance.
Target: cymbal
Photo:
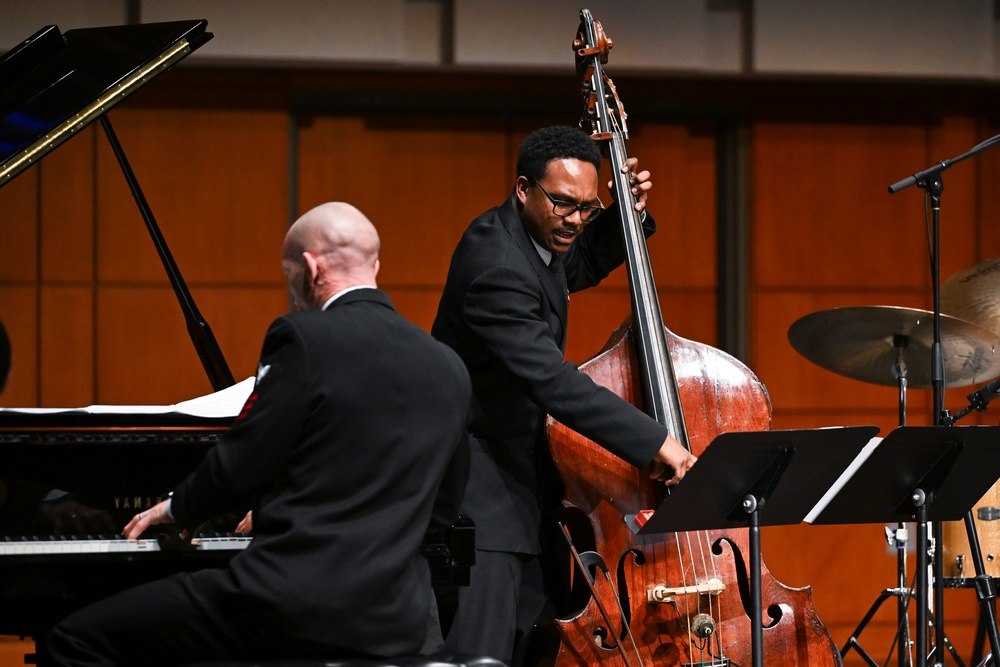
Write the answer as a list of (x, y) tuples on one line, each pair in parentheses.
[(865, 342), (973, 294)]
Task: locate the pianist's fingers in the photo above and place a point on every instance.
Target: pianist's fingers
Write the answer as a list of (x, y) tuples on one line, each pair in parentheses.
[(140, 522), (246, 524)]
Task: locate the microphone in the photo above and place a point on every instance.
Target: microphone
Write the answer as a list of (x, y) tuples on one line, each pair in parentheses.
[(981, 397), (978, 400)]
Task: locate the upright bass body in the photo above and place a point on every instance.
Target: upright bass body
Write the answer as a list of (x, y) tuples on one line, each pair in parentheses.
[(682, 595), (679, 599)]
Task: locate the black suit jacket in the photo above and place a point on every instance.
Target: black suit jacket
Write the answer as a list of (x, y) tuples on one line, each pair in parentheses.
[(504, 311), (354, 419)]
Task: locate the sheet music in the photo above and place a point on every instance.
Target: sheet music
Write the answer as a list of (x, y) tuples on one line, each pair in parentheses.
[(866, 451), (225, 403)]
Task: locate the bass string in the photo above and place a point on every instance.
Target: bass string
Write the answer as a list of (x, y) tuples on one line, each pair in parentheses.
[(701, 548), (699, 552)]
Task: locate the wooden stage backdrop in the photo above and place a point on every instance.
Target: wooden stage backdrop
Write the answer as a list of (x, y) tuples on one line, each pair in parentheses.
[(228, 158)]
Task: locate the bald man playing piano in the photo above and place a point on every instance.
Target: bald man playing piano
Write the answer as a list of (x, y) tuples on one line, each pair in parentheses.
[(354, 431)]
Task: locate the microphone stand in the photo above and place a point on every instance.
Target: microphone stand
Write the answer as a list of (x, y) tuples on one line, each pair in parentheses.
[(932, 182)]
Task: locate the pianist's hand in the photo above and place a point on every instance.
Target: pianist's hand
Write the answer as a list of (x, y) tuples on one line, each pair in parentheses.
[(70, 517), (157, 514), (246, 525)]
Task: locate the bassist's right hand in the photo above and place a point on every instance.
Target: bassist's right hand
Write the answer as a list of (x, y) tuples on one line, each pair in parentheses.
[(671, 462)]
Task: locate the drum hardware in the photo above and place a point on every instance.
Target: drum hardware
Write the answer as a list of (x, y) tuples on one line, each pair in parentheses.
[(956, 578), (973, 293), (983, 514), (931, 181), (983, 581), (889, 345)]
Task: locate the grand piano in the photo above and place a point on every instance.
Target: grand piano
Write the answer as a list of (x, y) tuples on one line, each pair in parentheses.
[(103, 465)]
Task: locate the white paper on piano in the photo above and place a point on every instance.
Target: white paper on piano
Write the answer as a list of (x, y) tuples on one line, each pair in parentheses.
[(224, 403), (866, 451)]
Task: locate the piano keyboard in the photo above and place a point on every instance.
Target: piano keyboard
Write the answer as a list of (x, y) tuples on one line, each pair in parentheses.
[(31, 546)]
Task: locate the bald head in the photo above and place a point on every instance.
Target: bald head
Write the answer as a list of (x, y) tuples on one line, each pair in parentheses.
[(330, 248)]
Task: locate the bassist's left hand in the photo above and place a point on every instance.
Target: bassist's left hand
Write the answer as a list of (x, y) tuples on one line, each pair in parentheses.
[(641, 184)]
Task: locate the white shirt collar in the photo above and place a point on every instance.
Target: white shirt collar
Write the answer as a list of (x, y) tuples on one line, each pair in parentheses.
[(343, 292)]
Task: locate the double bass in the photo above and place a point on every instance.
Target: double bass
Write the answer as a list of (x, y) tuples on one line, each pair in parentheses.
[(663, 600)]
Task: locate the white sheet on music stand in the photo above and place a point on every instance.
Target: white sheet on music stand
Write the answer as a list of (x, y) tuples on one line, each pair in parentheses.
[(866, 451)]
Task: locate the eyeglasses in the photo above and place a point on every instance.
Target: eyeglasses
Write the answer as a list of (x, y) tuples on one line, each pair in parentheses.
[(564, 209)]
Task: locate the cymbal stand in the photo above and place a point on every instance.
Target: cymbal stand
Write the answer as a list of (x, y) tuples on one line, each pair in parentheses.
[(934, 185), (932, 182), (897, 538)]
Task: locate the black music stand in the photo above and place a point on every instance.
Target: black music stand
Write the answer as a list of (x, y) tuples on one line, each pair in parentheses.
[(783, 473), (922, 474)]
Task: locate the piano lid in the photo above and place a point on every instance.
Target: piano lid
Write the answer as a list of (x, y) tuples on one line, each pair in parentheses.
[(53, 85)]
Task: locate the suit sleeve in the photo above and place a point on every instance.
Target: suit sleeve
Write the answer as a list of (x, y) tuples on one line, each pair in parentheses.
[(504, 308), (599, 250), (246, 459)]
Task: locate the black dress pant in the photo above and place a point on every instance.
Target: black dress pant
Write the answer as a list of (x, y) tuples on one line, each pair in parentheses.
[(172, 621), (499, 608)]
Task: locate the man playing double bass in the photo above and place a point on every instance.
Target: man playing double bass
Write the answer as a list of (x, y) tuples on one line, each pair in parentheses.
[(504, 310)]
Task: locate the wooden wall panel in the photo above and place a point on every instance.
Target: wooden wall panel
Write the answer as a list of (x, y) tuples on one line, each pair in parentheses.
[(420, 182), (13, 650), (987, 235), (681, 159), (417, 303), (18, 295), (821, 214), (145, 356), (216, 181), (19, 313), (67, 332), (19, 207), (68, 210), (239, 316)]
